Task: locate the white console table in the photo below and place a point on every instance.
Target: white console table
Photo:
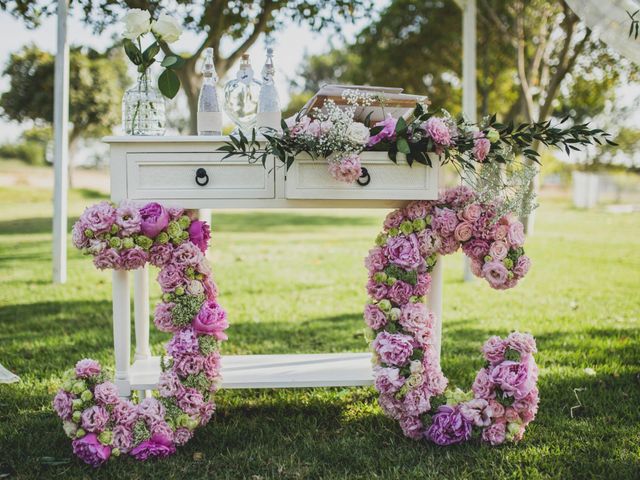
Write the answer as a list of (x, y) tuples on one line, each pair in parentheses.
[(189, 172)]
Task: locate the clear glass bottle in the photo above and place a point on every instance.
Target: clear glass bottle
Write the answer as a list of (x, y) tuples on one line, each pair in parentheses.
[(143, 109), (269, 114), (209, 114), (241, 97)]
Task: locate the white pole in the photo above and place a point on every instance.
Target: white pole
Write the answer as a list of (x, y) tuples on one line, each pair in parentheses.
[(469, 107), (61, 156)]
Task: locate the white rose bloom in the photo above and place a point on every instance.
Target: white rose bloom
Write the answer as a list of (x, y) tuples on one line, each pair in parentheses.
[(136, 22), (358, 133), (96, 246), (167, 28), (195, 287)]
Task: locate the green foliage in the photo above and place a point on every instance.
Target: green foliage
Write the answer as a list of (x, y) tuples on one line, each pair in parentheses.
[(31, 148), (97, 82)]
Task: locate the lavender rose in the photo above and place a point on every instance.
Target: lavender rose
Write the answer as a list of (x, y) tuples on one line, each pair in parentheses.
[(387, 380), (376, 260), (87, 367), (376, 290), (449, 427), (132, 258), (95, 418), (99, 218), (62, 404), (495, 434), (522, 343), (184, 342), (162, 317), (463, 232), (393, 219), (169, 385), (404, 251), (160, 254), (494, 349), (122, 438), (483, 386), (187, 255), (108, 258), (106, 393), (515, 379), (393, 348), (171, 277), (495, 273), (438, 130), (523, 264), (199, 234), (155, 218), (515, 236), (400, 292), (90, 450), (125, 413), (374, 317), (128, 218)]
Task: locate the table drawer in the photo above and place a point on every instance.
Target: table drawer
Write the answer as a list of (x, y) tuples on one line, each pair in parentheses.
[(174, 176), (310, 179)]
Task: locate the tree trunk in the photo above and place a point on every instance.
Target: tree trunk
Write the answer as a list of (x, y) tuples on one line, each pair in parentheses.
[(191, 86)]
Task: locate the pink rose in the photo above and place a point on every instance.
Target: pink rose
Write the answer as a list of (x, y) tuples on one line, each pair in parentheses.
[(438, 130), (481, 147), (498, 250), (495, 434), (472, 212), (155, 218), (515, 236), (483, 386), (522, 266), (495, 273), (95, 418), (393, 348), (494, 349), (211, 320), (463, 232), (404, 251), (377, 291), (376, 260), (347, 169), (501, 231), (199, 234), (87, 367), (387, 380), (374, 317)]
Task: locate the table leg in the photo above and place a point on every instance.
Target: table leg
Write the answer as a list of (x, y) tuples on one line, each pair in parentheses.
[(141, 312), (434, 301), (122, 330)]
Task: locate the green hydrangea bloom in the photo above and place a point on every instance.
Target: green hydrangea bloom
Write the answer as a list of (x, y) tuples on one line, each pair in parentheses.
[(187, 307), (406, 227), (162, 238), (140, 432), (381, 240), (199, 382), (394, 232), (184, 236), (144, 242), (208, 344), (380, 277), (115, 242), (508, 263), (128, 242), (419, 224), (88, 233), (184, 221), (174, 230), (105, 437), (114, 229)]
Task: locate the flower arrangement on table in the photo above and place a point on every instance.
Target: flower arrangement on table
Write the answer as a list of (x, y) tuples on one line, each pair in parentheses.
[(333, 134), (100, 423), (504, 396)]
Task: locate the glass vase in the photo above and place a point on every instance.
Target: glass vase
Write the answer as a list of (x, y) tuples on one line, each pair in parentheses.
[(143, 109)]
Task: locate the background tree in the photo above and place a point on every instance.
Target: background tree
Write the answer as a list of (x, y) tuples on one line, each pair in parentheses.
[(96, 79), (242, 21)]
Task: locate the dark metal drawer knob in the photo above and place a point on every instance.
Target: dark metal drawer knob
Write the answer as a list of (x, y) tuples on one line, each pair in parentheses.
[(365, 178), (201, 177)]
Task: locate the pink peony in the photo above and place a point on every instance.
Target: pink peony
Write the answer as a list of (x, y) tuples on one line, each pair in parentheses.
[(523, 343), (495, 273), (477, 411), (62, 404), (374, 317), (393, 348), (90, 450), (449, 427), (348, 169), (404, 251), (438, 130), (128, 218), (155, 218), (157, 446), (199, 234), (494, 349), (106, 393), (99, 218), (495, 434), (160, 254), (515, 379), (95, 418), (211, 320), (87, 367), (481, 147), (387, 380), (400, 292), (388, 131)]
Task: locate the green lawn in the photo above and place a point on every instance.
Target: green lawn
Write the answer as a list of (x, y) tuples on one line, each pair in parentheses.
[(293, 282)]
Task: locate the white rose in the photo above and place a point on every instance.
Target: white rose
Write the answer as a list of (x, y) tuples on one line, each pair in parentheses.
[(96, 246), (136, 22), (358, 133), (167, 28), (195, 287)]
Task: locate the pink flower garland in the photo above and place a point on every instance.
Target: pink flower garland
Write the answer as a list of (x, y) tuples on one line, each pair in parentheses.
[(504, 396), (101, 424)]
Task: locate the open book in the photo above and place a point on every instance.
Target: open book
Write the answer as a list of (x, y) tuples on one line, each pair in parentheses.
[(387, 100)]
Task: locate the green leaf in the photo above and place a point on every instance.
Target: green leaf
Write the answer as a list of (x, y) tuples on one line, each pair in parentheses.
[(169, 83), (172, 62), (401, 126), (403, 145), (132, 52), (151, 52)]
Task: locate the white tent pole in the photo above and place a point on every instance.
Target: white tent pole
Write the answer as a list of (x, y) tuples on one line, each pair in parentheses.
[(469, 107), (61, 155)]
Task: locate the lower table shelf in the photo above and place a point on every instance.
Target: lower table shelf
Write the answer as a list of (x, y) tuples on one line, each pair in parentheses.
[(275, 371)]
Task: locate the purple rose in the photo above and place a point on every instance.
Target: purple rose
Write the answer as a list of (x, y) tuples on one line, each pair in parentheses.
[(95, 418), (515, 379), (78, 238), (393, 348), (374, 317), (423, 285), (106, 393), (449, 427), (182, 435), (162, 317), (376, 260), (483, 386), (188, 364), (388, 131), (417, 209), (416, 402), (515, 236), (445, 221), (107, 258), (415, 318), (211, 366), (376, 290), (404, 251), (160, 254), (169, 384), (495, 273), (476, 248), (90, 450), (199, 234), (477, 411), (494, 349), (211, 320), (171, 277), (523, 343), (125, 413), (495, 434), (183, 342), (87, 367), (390, 406), (122, 438), (151, 409), (132, 258), (523, 264), (394, 219), (187, 255), (155, 218), (191, 401), (157, 446), (128, 218), (412, 427), (387, 380), (99, 218), (62, 404), (400, 292)]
